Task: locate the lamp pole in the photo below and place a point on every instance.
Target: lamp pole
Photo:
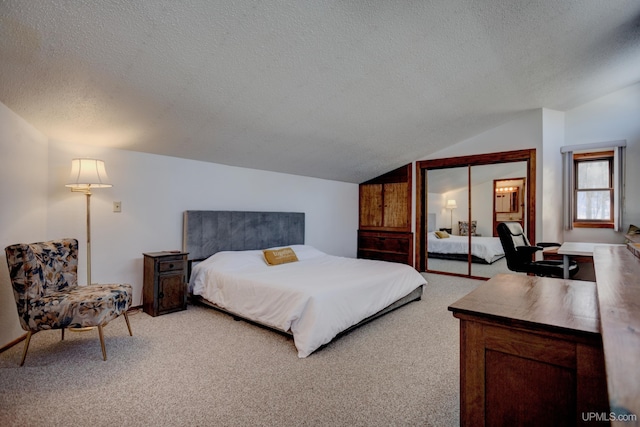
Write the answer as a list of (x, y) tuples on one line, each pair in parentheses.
[(452, 220), (88, 194)]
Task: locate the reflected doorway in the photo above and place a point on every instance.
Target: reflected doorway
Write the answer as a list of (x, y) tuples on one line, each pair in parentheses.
[(508, 201)]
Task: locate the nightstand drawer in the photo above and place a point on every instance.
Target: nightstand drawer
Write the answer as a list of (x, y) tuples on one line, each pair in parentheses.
[(173, 265)]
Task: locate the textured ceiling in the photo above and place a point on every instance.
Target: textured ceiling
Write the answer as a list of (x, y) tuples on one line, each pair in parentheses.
[(343, 90)]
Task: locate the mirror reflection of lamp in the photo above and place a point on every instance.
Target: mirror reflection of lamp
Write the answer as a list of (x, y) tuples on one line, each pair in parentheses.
[(451, 204)]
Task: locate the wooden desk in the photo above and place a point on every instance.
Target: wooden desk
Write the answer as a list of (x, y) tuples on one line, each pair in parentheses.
[(618, 282), (530, 352), (578, 249)]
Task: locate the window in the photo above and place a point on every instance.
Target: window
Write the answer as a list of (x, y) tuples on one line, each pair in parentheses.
[(593, 185), (593, 192)]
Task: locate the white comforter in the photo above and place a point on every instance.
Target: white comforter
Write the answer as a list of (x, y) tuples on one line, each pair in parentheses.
[(487, 248), (315, 298)]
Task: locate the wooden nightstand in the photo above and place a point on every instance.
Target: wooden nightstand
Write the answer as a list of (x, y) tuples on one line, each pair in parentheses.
[(164, 287)]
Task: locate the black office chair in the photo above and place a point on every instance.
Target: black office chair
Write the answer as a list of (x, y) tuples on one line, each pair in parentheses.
[(519, 253)]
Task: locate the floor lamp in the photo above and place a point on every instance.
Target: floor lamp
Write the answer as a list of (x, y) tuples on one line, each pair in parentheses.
[(451, 204), (87, 174)]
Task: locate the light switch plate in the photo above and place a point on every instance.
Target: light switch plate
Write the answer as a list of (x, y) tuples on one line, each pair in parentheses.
[(117, 206)]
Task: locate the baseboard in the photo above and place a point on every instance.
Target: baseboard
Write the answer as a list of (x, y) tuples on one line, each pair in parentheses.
[(12, 343), (135, 309)]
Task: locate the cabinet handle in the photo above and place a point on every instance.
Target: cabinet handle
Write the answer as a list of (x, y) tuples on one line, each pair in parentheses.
[(382, 238), (170, 265), (161, 295)]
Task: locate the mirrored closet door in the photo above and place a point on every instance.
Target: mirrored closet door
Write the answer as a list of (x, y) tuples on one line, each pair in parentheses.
[(460, 202), (495, 197), (447, 207)]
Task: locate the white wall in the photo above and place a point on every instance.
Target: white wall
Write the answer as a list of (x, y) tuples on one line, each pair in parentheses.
[(23, 201), (436, 203), (549, 206), (524, 132), (482, 206), (156, 190), (610, 118), (521, 133)]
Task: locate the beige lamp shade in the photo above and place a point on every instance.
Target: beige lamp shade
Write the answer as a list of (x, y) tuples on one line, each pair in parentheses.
[(88, 173), (451, 204)]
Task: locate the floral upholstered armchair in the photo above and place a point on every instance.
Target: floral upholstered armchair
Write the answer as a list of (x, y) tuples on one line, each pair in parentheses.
[(45, 286)]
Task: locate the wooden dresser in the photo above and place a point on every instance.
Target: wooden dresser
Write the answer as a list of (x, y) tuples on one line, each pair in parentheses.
[(386, 246), (164, 283), (384, 231), (530, 353)]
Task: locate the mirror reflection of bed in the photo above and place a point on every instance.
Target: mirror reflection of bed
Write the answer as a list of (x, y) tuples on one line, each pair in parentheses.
[(449, 252)]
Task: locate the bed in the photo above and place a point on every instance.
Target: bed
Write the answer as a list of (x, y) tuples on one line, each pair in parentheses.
[(313, 300), (484, 250)]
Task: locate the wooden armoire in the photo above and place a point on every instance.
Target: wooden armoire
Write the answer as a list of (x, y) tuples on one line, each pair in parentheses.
[(384, 231)]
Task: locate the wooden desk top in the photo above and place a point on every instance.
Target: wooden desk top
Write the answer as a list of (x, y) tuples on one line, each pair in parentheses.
[(618, 283), (581, 248), (534, 302)]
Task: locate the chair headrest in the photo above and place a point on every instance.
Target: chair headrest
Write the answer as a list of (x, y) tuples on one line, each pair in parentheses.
[(514, 228)]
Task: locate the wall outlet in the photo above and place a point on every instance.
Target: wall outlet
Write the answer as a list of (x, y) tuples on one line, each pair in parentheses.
[(117, 206)]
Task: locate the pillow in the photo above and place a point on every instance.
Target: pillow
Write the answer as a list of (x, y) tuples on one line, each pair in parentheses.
[(463, 227), (442, 234), (236, 260), (279, 256), (304, 252)]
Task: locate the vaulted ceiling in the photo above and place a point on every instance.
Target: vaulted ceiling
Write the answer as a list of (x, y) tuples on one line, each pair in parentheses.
[(342, 90)]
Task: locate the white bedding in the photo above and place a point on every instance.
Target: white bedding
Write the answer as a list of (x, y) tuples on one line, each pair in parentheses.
[(315, 298), (487, 248)]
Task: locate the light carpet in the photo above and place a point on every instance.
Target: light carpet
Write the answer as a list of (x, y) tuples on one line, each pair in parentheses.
[(200, 367)]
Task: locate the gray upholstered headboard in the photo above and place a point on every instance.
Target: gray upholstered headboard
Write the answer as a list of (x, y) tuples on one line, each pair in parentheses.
[(208, 232)]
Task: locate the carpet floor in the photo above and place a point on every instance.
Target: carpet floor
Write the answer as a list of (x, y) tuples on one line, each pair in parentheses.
[(200, 367)]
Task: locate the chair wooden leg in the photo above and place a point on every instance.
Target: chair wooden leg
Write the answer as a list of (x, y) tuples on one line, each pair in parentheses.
[(26, 347), (104, 350), (126, 318)]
